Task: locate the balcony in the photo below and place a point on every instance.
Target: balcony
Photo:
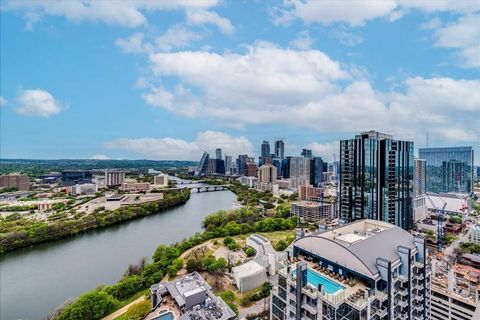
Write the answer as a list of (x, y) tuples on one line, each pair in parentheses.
[(381, 313), (402, 278), (380, 295), (402, 303), (419, 276), (402, 316), (309, 308), (402, 291)]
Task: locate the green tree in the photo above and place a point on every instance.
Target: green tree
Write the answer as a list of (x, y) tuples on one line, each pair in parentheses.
[(90, 306), (249, 252), (138, 310)]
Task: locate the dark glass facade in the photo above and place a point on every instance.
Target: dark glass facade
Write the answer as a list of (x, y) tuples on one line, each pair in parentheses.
[(316, 172), (376, 179), (448, 169), (265, 151), (72, 177), (202, 165)]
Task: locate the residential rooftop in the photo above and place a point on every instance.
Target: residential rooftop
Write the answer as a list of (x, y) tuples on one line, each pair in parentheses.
[(358, 245), (190, 298)]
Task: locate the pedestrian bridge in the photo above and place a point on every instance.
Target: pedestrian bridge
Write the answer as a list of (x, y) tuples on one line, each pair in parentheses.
[(209, 188)]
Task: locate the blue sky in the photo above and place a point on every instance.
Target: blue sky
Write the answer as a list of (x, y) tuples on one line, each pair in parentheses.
[(169, 79)]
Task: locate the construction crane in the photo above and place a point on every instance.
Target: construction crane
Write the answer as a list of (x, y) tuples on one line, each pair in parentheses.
[(440, 214)]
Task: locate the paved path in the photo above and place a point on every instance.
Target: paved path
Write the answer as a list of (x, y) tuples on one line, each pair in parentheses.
[(121, 311), (256, 308)]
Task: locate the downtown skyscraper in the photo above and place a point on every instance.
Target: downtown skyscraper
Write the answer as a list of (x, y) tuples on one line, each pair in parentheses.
[(376, 179), (265, 151), (279, 149)]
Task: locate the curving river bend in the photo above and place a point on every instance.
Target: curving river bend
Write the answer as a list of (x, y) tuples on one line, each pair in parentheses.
[(34, 281)]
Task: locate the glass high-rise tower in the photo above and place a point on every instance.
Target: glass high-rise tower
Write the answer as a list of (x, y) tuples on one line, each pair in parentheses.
[(265, 151), (449, 169), (376, 179), (279, 149)]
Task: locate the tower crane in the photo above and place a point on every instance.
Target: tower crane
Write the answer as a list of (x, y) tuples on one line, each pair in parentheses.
[(440, 212)]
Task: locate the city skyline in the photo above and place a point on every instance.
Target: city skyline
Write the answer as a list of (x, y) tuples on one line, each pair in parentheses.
[(163, 88)]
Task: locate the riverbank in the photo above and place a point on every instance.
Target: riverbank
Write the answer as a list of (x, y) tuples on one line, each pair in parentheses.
[(220, 224), (18, 232)]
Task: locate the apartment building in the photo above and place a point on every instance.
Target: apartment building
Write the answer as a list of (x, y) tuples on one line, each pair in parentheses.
[(367, 269)]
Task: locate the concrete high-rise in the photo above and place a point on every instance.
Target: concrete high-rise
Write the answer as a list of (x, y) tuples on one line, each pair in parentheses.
[(376, 179), (419, 177), (299, 172), (250, 168), (19, 181), (267, 173), (279, 149), (265, 151), (114, 177)]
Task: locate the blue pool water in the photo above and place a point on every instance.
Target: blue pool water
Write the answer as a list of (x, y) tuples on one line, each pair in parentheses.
[(315, 278), (165, 316)]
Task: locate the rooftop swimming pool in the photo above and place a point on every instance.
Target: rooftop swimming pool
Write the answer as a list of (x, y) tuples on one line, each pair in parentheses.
[(165, 316), (315, 279)]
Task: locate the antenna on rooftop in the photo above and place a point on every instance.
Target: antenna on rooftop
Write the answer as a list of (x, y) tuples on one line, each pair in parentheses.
[(427, 138)]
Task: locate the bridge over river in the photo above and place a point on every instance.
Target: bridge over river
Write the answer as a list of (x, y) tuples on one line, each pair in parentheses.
[(206, 188)]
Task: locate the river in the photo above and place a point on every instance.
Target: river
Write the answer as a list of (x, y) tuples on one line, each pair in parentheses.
[(35, 280)]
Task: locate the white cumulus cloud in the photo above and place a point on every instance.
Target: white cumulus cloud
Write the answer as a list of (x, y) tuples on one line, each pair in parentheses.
[(129, 13), (199, 17), (357, 12), (37, 103), (326, 150), (303, 41), (308, 89), (177, 149), (464, 35)]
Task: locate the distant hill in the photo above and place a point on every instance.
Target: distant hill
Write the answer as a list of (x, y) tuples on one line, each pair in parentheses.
[(34, 167)]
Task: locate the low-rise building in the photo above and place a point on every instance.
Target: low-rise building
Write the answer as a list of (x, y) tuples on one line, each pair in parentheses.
[(135, 186), (312, 212), (310, 193), (161, 180), (266, 186), (248, 181), (249, 275), (475, 234), (45, 205), (455, 293), (188, 298), (19, 181), (84, 189)]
